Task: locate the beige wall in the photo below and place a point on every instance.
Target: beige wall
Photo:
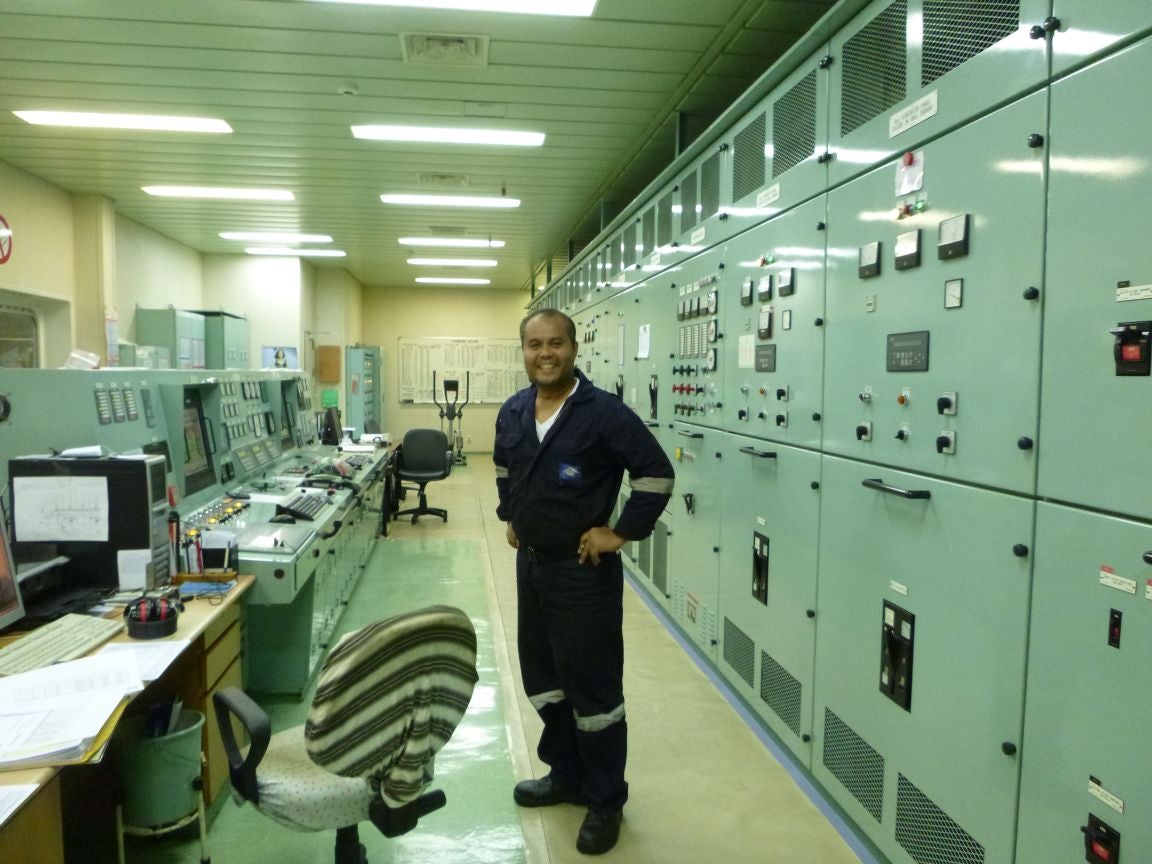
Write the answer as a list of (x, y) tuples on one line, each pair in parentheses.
[(392, 313)]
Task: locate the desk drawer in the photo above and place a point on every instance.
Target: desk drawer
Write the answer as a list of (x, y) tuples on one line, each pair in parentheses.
[(227, 617), (221, 654)]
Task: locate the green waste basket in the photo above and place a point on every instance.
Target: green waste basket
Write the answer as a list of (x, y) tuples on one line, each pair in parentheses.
[(159, 776)]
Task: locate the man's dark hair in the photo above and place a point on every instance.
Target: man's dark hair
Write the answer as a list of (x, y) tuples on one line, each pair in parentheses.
[(549, 313)]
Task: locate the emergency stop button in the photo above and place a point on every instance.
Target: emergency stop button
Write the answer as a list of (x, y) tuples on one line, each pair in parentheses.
[(1131, 350)]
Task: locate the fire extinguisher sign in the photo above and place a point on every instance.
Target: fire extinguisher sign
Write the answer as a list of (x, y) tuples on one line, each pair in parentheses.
[(5, 241)]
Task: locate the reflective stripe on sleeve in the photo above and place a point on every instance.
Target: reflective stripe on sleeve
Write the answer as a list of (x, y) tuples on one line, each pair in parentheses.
[(501, 472), (659, 485)]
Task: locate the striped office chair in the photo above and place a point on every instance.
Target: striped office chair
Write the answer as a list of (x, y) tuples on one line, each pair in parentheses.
[(389, 696)]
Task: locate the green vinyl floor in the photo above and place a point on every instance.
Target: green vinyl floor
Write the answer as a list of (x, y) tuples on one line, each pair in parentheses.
[(703, 785)]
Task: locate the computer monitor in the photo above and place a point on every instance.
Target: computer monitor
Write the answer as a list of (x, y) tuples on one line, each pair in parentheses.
[(11, 605), (198, 472)]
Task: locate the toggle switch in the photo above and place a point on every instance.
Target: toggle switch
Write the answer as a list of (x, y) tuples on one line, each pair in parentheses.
[(946, 403), (902, 433), (782, 394), (946, 443), (864, 431), (781, 420)]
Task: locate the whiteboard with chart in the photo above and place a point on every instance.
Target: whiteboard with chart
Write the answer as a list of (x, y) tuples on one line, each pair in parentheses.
[(496, 367)]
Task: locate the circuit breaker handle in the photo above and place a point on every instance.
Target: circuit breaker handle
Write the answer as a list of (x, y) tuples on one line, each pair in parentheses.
[(881, 486), (1148, 557)]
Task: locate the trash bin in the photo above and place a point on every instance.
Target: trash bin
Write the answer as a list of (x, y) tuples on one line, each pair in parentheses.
[(158, 776)]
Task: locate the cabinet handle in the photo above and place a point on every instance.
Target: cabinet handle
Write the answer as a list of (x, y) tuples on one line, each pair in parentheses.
[(759, 454), (691, 434), (881, 486)]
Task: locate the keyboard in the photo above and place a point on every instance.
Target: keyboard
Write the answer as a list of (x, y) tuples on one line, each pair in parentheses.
[(68, 637), (303, 506)]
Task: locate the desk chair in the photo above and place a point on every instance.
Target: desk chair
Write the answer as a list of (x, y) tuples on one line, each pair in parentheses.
[(425, 455), (389, 696)]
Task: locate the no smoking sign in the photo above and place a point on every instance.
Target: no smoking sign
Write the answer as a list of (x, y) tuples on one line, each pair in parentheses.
[(5, 241)]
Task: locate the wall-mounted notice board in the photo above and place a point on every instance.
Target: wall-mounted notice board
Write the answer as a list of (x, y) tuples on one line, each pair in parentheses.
[(496, 367)]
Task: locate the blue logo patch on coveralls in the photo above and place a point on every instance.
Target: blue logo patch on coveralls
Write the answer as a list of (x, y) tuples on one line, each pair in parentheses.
[(569, 474)]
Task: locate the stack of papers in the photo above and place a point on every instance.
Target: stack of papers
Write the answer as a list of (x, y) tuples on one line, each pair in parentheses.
[(65, 713)]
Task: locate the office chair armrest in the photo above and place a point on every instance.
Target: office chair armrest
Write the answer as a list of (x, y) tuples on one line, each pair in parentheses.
[(394, 821), (233, 702)]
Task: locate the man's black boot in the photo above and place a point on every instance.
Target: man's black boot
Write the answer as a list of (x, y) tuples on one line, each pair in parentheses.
[(600, 831), (544, 792)]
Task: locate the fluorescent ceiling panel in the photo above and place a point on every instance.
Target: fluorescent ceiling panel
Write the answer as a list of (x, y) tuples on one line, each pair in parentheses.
[(452, 242), (452, 262), (449, 135), (274, 237), (220, 192), (451, 280), (146, 122), (295, 253), (449, 201), (566, 8)]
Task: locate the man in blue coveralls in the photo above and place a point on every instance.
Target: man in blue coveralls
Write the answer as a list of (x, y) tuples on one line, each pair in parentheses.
[(562, 447)]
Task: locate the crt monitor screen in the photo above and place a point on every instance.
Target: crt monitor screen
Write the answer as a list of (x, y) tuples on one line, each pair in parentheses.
[(11, 606), (198, 473)]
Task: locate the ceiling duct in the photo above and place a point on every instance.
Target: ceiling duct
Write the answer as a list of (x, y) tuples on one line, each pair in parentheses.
[(444, 50)]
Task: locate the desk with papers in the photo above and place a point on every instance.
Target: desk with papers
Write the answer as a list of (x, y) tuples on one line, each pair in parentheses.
[(202, 656)]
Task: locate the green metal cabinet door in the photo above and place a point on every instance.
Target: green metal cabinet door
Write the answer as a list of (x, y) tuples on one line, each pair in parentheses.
[(693, 520), (1090, 27), (920, 650), (1094, 420), (933, 344), (768, 538), (1085, 750), (773, 345)]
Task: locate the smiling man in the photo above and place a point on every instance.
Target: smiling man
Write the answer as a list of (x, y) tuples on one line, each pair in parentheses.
[(562, 447)]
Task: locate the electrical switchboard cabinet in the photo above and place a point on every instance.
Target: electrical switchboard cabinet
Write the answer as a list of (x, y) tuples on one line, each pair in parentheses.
[(772, 351), (1094, 415), (364, 388), (1089, 702), (1088, 28), (182, 333), (693, 520), (905, 71), (778, 149), (934, 317), (769, 532), (923, 596), (225, 340)]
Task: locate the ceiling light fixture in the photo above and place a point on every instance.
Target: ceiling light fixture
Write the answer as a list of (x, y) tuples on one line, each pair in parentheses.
[(449, 201), (453, 262), (144, 122), (274, 237), (284, 251), (566, 8), (449, 135), (220, 192), (446, 280), (452, 242)]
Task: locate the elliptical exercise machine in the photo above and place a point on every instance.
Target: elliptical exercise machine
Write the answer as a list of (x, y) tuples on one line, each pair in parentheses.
[(453, 413)]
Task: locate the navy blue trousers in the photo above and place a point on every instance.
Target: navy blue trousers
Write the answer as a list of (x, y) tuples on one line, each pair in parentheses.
[(571, 647)]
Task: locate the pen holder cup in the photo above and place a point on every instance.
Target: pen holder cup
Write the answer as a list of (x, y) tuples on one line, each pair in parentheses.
[(158, 775)]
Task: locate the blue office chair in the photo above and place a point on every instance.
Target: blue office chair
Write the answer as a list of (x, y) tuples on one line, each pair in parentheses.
[(424, 456), (388, 697)]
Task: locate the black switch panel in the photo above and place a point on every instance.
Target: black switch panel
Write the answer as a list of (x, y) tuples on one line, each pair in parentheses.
[(1131, 350), (1115, 616), (896, 652), (1101, 842), (760, 567)]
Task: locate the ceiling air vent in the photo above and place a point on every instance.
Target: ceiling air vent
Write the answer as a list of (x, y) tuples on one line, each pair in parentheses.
[(430, 180), (444, 50)]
